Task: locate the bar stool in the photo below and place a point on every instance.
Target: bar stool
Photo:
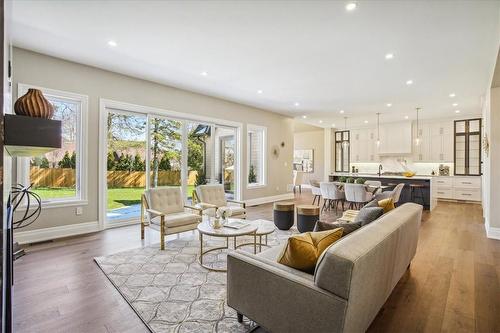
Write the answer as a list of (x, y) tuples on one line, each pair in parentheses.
[(283, 214), (307, 216), (417, 192)]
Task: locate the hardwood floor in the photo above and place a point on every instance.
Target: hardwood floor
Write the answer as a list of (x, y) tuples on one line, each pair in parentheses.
[(452, 286)]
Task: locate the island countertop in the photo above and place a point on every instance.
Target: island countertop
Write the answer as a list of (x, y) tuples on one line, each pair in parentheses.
[(367, 175)]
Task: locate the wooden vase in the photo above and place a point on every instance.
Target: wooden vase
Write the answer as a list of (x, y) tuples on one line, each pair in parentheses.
[(34, 104)]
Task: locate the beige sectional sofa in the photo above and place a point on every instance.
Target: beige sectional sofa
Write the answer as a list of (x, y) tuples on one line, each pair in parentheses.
[(352, 280)]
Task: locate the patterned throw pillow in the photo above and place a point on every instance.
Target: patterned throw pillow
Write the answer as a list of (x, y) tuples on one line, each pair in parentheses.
[(303, 251), (368, 215)]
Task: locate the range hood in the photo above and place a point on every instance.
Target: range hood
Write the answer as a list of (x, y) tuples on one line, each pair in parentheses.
[(395, 139)]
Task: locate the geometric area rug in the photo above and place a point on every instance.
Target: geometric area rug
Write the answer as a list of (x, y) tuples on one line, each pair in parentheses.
[(171, 292)]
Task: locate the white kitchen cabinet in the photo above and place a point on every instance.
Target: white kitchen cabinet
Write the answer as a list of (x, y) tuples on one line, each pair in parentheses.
[(436, 142), (363, 145), (458, 188), (422, 150)]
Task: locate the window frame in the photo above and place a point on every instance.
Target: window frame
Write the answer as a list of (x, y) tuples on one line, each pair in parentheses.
[(23, 163), (263, 156)]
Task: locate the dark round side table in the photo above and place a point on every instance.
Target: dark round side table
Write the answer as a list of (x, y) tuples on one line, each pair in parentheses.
[(307, 216), (283, 214)]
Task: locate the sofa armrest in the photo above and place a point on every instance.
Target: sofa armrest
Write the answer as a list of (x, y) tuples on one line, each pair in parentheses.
[(199, 210), (241, 203), (279, 299)]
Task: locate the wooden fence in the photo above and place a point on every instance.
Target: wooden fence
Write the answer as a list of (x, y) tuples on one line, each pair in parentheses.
[(59, 177)]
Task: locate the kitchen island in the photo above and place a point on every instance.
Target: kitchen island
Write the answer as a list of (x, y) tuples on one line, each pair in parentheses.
[(429, 189)]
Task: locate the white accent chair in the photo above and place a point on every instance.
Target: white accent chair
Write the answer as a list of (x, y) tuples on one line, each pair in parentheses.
[(332, 195), (316, 191), (212, 196), (167, 213), (395, 194), (297, 180), (357, 195)]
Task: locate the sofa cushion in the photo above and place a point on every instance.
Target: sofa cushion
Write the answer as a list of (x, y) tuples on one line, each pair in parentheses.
[(348, 227), (373, 203), (178, 219), (302, 251), (368, 214), (387, 204), (348, 216)]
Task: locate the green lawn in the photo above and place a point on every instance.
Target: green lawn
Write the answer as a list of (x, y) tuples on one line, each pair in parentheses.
[(117, 197)]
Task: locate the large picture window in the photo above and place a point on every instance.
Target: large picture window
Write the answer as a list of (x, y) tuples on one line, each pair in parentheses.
[(256, 159), (58, 176)]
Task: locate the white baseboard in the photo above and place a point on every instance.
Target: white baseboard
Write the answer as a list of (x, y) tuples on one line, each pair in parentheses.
[(44, 234), (492, 232), (263, 200)]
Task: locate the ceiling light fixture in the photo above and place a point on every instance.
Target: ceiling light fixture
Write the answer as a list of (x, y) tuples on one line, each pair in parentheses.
[(389, 105), (304, 117), (259, 91), (296, 103), (203, 73), (452, 95), (366, 121), (457, 111), (351, 6), (409, 82), (455, 104), (321, 121), (341, 111), (112, 43), (389, 56), (378, 129), (333, 125), (406, 117)]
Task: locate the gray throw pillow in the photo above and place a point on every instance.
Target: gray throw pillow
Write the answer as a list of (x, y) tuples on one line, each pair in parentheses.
[(373, 203), (368, 214), (348, 227)]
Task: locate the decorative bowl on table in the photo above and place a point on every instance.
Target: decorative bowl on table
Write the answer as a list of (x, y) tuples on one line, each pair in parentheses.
[(409, 173)]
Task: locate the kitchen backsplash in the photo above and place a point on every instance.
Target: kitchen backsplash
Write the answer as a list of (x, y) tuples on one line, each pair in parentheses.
[(400, 164)]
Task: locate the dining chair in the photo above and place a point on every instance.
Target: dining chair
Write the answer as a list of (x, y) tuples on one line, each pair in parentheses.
[(332, 196), (395, 194), (163, 209), (316, 191), (376, 184), (356, 195), (297, 180)]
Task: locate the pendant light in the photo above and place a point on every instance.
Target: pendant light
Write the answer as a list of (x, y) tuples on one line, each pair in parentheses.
[(417, 140), (345, 143), (378, 129)]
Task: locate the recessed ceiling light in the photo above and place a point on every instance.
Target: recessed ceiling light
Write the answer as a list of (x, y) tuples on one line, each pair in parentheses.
[(457, 111), (112, 43), (366, 121), (304, 117), (333, 125), (296, 103), (351, 6), (389, 105), (409, 82), (406, 117), (203, 73), (341, 111), (321, 121), (389, 56), (452, 95), (455, 104), (259, 91)]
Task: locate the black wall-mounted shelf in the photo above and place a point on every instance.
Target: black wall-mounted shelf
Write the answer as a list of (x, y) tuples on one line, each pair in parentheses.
[(29, 136)]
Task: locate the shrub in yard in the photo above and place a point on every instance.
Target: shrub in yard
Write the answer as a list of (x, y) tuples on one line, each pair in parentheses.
[(165, 163), (66, 162), (252, 176), (201, 179), (138, 164)]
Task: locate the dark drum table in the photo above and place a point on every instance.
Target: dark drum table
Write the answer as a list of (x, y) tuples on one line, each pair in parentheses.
[(307, 216), (283, 214)]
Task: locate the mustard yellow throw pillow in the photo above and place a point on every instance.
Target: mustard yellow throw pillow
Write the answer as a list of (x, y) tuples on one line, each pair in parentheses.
[(386, 204), (303, 251)]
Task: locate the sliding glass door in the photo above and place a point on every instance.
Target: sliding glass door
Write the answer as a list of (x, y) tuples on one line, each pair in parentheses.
[(146, 150)]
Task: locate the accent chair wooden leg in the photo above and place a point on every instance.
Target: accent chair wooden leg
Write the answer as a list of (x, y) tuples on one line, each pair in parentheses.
[(162, 233), (142, 216), (240, 317)]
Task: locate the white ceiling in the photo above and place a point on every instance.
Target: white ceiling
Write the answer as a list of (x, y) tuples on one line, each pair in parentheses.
[(314, 53)]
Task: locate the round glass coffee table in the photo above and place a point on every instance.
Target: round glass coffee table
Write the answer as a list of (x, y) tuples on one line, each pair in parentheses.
[(204, 228)]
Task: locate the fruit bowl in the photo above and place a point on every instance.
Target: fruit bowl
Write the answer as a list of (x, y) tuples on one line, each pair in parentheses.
[(409, 173)]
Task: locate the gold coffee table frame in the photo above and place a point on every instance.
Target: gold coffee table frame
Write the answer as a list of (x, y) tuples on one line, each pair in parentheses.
[(204, 228), (264, 228)]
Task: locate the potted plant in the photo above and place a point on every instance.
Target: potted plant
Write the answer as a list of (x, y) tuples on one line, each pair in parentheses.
[(342, 179), (350, 180), (360, 180)]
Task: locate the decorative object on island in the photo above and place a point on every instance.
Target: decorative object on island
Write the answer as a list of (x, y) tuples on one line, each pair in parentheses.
[(417, 140), (444, 170), (342, 179), (34, 104), (359, 181), (283, 214), (409, 174)]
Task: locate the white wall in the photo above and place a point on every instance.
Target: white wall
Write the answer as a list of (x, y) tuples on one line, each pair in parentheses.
[(492, 165), (312, 140), (49, 72)]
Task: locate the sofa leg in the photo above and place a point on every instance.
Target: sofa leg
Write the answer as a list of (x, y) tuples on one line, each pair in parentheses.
[(240, 317)]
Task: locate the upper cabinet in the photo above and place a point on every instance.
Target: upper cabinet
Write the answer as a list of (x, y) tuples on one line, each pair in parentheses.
[(395, 139), (436, 142), (363, 145)]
